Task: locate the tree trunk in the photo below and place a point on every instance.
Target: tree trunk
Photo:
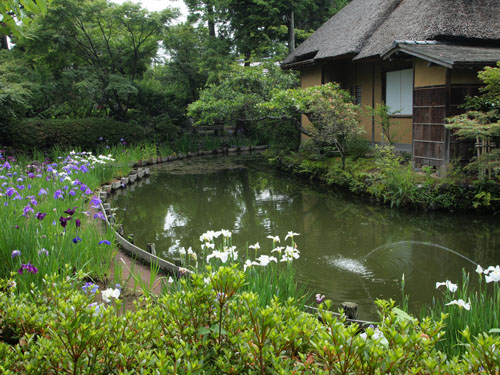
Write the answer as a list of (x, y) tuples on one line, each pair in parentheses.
[(211, 20), (4, 43), (291, 32), (247, 58)]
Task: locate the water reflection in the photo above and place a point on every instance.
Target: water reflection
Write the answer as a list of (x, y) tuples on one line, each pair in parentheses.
[(351, 250)]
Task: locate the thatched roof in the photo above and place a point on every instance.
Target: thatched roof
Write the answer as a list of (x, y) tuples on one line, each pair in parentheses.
[(366, 28), (447, 55), (345, 33)]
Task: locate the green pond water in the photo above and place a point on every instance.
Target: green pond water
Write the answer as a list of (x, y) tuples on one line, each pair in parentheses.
[(351, 249)]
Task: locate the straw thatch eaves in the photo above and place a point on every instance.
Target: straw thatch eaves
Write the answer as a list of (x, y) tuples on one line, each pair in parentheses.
[(447, 55), (368, 28)]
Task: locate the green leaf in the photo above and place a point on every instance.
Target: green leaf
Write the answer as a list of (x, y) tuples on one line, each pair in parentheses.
[(402, 315), (203, 331)]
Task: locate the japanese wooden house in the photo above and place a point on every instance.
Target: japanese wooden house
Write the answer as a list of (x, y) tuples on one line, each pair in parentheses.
[(420, 57)]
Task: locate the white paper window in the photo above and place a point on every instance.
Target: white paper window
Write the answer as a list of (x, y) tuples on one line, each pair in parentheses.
[(399, 91)]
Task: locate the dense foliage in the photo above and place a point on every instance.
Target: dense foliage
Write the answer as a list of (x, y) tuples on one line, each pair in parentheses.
[(388, 178), (85, 59), (87, 133), (208, 326), (481, 123)]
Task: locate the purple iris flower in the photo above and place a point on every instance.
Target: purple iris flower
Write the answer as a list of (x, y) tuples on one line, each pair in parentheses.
[(101, 138), (70, 211), (20, 187), (95, 202), (27, 209), (40, 216), (99, 215), (90, 287), (31, 175), (88, 191), (76, 239), (20, 179), (10, 191), (28, 267), (320, 298), (29, 186), (78, 223), (18, 197), (104, 242), (15, 253), (84, 169), (34, 202), (64, 220), (72, 193), (83, 187), (6, 165), (58, 194)]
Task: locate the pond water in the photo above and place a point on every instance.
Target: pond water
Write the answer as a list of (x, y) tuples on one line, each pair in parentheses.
[(351, 249)]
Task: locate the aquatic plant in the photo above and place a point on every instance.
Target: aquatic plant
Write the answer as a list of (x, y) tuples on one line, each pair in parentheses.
[(267, 275), (469, 307)]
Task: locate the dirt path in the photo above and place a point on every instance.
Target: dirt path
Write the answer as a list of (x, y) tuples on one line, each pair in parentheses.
[(127, 266)]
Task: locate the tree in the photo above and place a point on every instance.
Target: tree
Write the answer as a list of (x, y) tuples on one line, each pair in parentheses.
[(261, 28), (252, 95), (235, 101), (482, 123), (16, 13), (102, 46), (16, 90)]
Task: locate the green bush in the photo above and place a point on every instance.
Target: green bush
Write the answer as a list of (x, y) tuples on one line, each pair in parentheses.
[(87, 133), (208, 325)]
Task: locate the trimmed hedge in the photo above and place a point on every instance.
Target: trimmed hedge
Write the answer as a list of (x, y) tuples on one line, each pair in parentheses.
[(86, 134)]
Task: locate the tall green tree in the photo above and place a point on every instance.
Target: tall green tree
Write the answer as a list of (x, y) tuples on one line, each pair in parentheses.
[(98, 48), (16, 13), (262, 28)]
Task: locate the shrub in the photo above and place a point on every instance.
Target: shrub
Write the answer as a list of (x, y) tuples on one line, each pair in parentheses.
[(87, 133), (208, 325)]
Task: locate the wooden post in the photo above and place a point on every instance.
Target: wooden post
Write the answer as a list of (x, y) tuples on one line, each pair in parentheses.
[(151, 248), (350, 310)]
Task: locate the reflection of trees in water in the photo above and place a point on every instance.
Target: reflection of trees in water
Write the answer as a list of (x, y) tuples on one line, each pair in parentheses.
[(259, 203), (356, 228)]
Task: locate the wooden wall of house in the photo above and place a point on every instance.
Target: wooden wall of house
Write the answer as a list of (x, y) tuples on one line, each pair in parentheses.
[(430, 139), (438, 93), (368, 76)]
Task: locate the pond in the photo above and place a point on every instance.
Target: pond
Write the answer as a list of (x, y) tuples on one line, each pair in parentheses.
[(351, 249)]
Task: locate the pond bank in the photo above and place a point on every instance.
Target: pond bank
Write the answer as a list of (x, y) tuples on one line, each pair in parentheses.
[(396, 184)]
